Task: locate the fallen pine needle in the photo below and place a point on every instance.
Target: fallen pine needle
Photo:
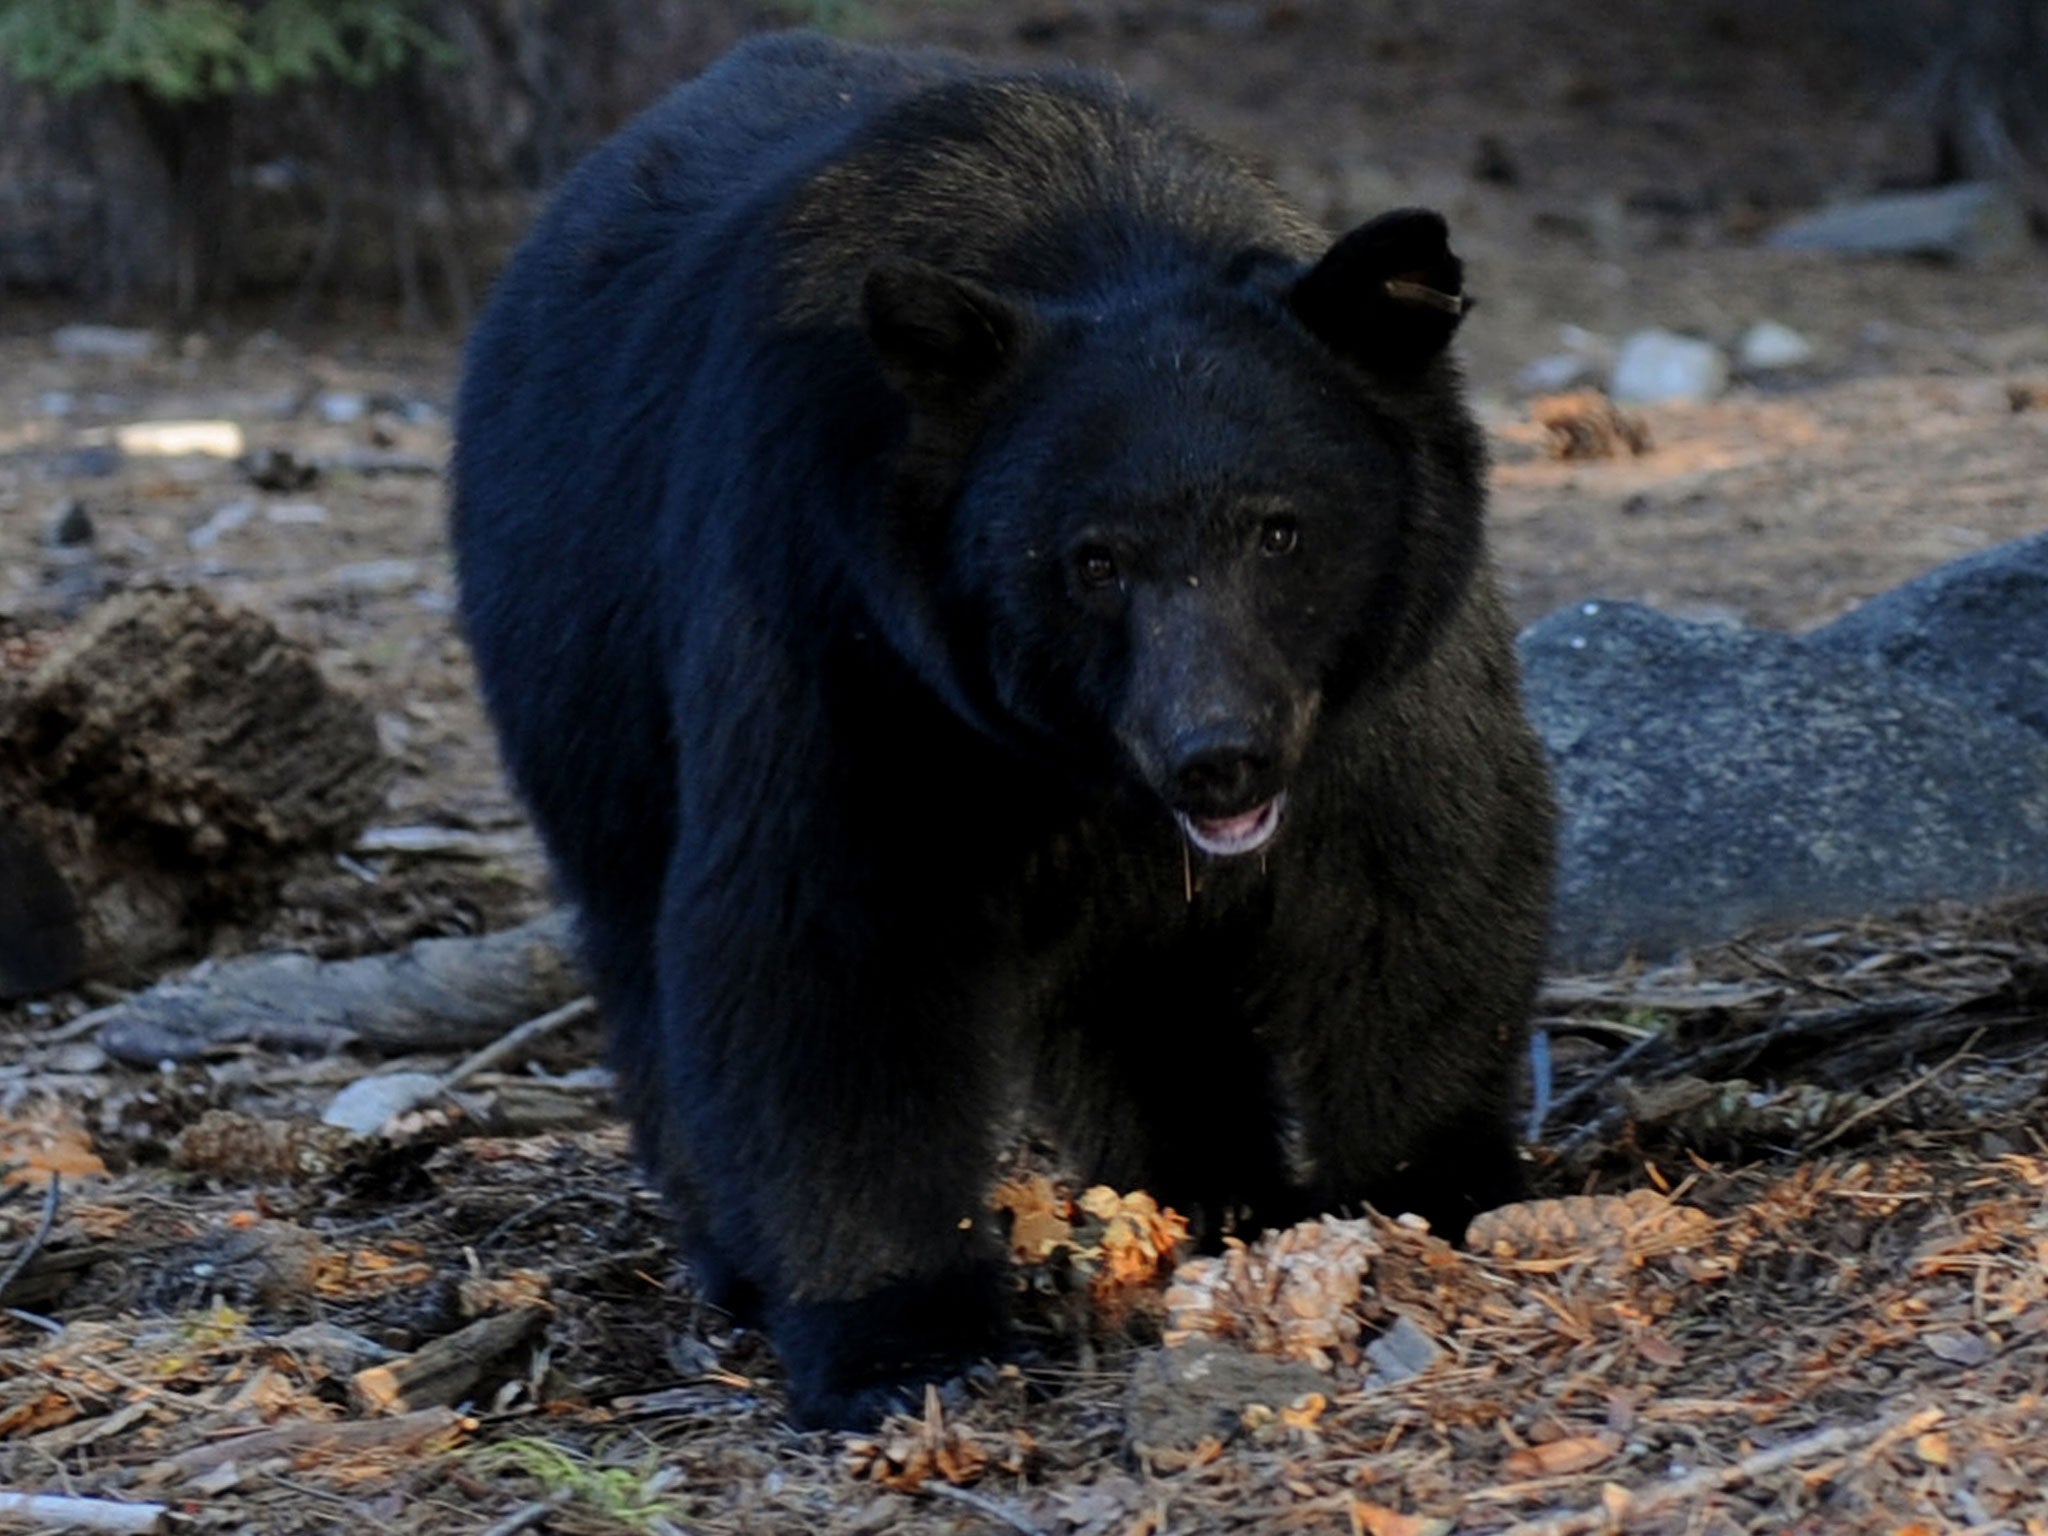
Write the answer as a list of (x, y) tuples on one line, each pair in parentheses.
[(83, 1514), (1649, 1501)]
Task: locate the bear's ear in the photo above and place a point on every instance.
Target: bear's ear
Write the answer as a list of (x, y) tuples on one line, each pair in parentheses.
[(1389, 295), (942, 339)]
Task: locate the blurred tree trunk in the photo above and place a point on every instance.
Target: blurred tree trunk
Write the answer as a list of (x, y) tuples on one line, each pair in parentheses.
[(1989, 89), (194, 143)]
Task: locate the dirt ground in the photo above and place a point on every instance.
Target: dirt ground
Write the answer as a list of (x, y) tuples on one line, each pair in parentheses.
[(1854, 1339)]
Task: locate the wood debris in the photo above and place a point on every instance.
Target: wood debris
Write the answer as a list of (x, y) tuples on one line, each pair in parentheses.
[(912, 1452), (1588, 425)]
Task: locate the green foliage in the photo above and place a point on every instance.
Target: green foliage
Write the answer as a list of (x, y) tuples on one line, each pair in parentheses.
[(185, 50), (635, 1497)]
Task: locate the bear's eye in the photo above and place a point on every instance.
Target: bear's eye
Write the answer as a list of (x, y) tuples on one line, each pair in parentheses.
[(1278, 536), (1095, 565)]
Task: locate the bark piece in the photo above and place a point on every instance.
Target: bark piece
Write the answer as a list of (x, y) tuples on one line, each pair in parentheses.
[(443, 1372), (161, 766)]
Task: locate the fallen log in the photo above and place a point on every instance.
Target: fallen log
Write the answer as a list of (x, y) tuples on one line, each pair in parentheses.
[(439, 994), (163, 764)]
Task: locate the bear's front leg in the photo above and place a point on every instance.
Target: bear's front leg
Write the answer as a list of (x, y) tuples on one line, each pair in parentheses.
[(833, 1073)]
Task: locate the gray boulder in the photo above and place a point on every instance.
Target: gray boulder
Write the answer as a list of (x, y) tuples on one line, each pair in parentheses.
[(1975, 630), (1716, 779)]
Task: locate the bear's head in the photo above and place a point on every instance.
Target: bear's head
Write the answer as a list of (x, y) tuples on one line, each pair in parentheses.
[(1171, 524)]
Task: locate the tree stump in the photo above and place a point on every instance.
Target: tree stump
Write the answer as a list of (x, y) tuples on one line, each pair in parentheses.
[(162, 765)]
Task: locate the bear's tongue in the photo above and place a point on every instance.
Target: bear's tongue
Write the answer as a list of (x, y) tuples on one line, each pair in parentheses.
[(1227, 836)]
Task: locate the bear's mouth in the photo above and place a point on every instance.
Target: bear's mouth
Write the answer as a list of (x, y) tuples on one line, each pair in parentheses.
[(1228, 837)]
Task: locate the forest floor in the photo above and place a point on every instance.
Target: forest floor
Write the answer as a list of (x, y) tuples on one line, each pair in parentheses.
[(1851, 1337)]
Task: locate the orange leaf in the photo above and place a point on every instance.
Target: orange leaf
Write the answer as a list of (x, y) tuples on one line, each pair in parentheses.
[(49, 1140), (1575, 1453), (1305, 1411), (1039, 1217), (1932, 1448), (38, 1413), (1378, 1520)]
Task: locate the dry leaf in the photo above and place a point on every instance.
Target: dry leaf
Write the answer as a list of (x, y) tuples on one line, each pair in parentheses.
[(480, 1296), (1576, 1453), (51, 1138), (1041, 1219), (38, 1413), (1378, 1520), (1303, 1412)]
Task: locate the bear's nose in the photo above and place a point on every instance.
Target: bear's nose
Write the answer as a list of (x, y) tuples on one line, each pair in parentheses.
[(1219, 771)]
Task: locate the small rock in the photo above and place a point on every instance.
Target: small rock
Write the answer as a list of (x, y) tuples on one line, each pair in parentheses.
[(1404, 1350), (1180, 1396), (377, 575), (295, 514), (1971, 221), (279, 469), (81, 341), (57, 402), (341, 407), (1767, 346), (76, 1056), (1658, 366), (71, 559), (69, 526), (369, 1104), (1557, 372), (1957, 1347)]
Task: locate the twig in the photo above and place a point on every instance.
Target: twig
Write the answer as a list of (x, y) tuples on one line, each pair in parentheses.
[(1607, 1074), (1892, 1098), (517, 1039), (1825, 1442), (523, 1518), (1000, 1513), (36, 1239), (92, 1514), (1815, 1030), (1772, 966)]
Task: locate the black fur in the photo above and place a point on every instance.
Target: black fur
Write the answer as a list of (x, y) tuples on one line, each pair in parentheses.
[(887, 492)]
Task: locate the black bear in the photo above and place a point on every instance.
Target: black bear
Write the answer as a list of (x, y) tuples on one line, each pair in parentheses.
[(989, 612)]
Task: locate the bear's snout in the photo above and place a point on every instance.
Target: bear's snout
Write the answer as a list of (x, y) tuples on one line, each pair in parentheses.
[(1222, 770)]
